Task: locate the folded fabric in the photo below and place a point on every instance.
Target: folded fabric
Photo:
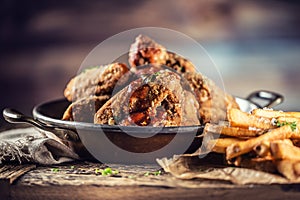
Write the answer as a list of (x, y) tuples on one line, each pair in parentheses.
[(32, 145)]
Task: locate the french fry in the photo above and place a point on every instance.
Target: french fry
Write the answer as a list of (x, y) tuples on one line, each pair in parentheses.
[(232, 131), (288, 119), (239, 148), (238, 118), (220, 145), (294, 126), (262, 149), (264, 140), (296, 142), (282, 150), (289, 168), (293, 123), (274, 113), (297, 168)]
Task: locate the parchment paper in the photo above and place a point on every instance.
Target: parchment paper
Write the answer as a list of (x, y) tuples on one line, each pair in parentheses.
[(190, 166)]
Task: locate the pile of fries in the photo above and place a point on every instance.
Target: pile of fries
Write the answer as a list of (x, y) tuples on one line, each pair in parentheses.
[(264, 139)]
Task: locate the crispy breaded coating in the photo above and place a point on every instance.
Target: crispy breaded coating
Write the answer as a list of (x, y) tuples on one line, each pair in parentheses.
[(146, 51), (96, 81), (213, 101), (154, 100), (83, 110)]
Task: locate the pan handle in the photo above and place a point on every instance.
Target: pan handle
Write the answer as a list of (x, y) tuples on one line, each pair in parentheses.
[(272, 98), (14, 116)]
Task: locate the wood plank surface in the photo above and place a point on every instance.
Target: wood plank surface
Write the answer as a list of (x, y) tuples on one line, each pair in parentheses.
[(79, 174), (12, 172), (83, 181), (143, 192)]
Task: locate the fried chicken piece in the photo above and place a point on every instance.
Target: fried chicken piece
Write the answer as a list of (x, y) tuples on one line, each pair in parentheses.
[(97, 81), (146, 51), (83, 110), (157, 99), (213, 101)]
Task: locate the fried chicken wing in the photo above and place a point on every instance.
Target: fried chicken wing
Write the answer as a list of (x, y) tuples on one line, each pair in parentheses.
[(213, 101), (146, 51), (97, 81), (152, 100), (160, 89), (83, 110)]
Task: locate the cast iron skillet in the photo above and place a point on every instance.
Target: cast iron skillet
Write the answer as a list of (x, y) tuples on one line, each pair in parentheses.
[(129, 145)]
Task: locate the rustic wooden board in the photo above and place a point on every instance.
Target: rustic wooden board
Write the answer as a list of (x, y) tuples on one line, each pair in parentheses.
[(8, 175), (12, 172), (143, 192), (79, 174), (80, 181)]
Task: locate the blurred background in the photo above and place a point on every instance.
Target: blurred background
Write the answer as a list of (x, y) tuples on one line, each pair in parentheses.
[(255, 44)]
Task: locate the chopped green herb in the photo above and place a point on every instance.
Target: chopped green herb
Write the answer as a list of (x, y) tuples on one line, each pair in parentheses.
[(157, 73), (151, 77), (147, 174), (156, 173), (97, 171), (293, 125), (107, 171), (72, 167), (55, 169)]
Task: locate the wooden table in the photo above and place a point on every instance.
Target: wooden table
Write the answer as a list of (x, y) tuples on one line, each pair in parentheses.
[(83, 180)]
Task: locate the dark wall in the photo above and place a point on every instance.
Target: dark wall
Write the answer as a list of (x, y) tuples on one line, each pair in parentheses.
[(42, 43)]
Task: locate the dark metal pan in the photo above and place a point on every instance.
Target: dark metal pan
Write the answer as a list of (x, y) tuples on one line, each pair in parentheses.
[(119, 144)]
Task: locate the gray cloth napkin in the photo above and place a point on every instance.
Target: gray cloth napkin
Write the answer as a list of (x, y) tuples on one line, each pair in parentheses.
[(31, 145)]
